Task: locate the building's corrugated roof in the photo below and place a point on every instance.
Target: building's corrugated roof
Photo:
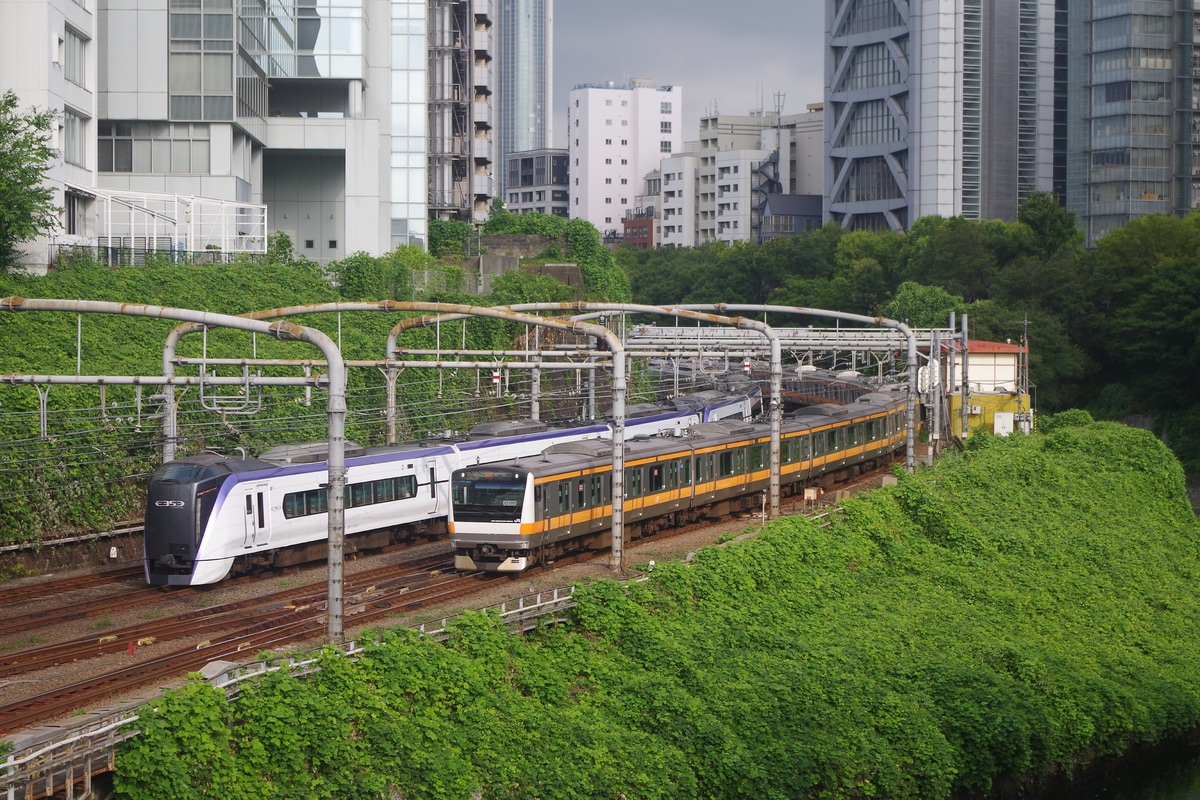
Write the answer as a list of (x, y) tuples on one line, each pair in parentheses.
[(982, 346)]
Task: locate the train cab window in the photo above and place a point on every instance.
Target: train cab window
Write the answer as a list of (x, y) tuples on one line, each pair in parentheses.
[(538, 494), (655, 480), (756, 457)]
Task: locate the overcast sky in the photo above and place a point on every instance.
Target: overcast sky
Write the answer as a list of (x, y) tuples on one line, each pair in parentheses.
[(729, 56)]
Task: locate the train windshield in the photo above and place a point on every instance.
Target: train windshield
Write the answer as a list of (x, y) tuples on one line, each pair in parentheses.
[(485, 494)]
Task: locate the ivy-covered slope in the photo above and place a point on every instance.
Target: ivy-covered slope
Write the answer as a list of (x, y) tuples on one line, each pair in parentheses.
[(85, 473), (1011, 613)]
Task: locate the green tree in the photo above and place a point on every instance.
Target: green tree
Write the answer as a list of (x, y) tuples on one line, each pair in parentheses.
[(1054, 228), (922, 306), (26, 202)]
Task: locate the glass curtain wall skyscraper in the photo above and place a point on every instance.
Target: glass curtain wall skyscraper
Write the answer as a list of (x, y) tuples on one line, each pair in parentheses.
[(1124, 63), (526, 51)]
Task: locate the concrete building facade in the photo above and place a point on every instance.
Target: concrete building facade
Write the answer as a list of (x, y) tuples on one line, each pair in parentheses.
[(617, 134), (680, 197), (353, 121), (537, 181)]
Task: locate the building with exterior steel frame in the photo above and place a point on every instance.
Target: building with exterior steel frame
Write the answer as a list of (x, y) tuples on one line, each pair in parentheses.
[(937, 110)]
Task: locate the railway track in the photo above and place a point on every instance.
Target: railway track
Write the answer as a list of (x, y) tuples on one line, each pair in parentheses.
[(273, 623), (58, 586)]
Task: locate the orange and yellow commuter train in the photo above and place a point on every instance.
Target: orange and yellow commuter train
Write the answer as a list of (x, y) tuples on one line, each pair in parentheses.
[(510, 515)]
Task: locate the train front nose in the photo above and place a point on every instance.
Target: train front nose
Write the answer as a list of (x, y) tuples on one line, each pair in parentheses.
[(169, 535)]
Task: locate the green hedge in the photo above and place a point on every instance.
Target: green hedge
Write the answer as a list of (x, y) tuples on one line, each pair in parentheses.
[(1012, 613)]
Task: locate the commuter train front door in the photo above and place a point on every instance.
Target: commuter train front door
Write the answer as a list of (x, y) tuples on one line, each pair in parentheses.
[(256, 505)]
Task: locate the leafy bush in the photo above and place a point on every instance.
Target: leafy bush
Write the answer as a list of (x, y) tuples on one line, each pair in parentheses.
[(989, 619)]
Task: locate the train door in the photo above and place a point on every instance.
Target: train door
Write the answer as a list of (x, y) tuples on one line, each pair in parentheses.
[(541, 496), (257, 521), (434, 493)]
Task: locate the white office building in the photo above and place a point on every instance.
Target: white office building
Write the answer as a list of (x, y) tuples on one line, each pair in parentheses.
[(617, 134), (346, 124)]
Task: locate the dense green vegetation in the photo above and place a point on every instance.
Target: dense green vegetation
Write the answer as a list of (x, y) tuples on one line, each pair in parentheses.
[(1115, 329), (994, 620)]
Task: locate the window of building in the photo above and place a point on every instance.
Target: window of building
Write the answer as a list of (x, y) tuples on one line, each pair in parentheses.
[(608, 220), (146, 147), (625, 162), (608, 141), (608, 102), (74, 58), (664, 146), (608, 122), (576, 123), (624, 123), (624, 102), (608, 201), (608, 180), (664, 107), (309, 244), (74, 138), (664, 126), (624, 180), (608, 161), (624, 142), (333, 244)]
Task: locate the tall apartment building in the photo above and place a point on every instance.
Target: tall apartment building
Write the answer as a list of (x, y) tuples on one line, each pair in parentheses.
[(680, 198), (947, 110), (617, 134), (353, 121), (717, 189), (525, 61), (722, 132)]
